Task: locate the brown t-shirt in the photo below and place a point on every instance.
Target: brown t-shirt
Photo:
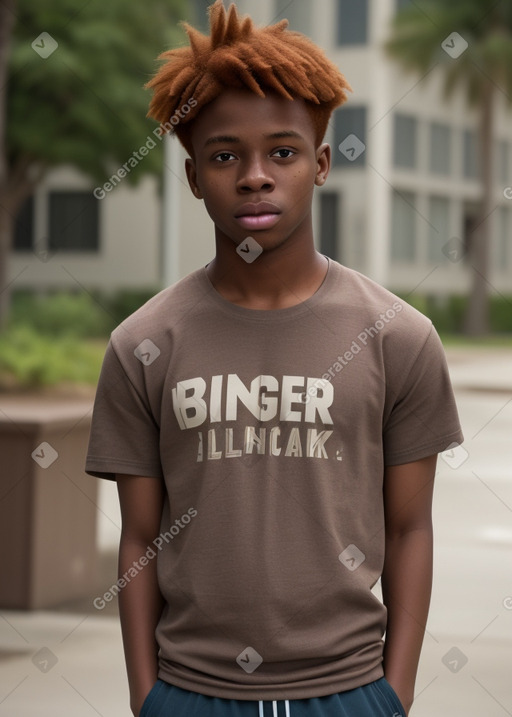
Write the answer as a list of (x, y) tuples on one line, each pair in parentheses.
[(271, 430)]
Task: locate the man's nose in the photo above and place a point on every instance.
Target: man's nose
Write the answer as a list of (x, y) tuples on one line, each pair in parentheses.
[(255, 177)]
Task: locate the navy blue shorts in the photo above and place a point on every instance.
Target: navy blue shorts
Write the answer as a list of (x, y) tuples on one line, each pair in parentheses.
[(377, 699)]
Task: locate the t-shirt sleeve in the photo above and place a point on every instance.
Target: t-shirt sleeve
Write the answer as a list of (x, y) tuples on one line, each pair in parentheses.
[(124, 434), (422, 417)]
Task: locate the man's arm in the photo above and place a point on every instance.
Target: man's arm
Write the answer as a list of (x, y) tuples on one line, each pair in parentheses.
[(407, 574), (140, 601)]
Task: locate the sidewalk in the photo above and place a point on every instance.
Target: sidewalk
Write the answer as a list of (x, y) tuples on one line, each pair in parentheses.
[(481, 369), (69, 661)]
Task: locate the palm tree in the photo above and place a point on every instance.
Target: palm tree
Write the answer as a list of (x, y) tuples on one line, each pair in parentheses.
[(429, 32)]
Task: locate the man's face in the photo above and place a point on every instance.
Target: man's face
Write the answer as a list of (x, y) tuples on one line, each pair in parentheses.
[(255, 166)]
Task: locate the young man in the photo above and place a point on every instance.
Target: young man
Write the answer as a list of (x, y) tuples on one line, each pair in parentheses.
[(272, 421)]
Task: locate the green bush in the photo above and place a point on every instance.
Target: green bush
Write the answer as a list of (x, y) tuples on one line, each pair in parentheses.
[(501, 314), (60, 337), (447, 312), (61, 314), (55, 337), (80, 315), (32, 360), (124, 302)]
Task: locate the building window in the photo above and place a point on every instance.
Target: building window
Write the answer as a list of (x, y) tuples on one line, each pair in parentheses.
[(352, 25), (470, 223), (74, 220), (405, 141), (403, 227), (440, 148), (350, 137), (439, 229), (471, 161), (329, 224), (298, 14), (24, 227)]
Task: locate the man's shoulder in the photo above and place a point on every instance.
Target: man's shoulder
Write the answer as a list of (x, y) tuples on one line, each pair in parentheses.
[(160, 313), (367, 300)]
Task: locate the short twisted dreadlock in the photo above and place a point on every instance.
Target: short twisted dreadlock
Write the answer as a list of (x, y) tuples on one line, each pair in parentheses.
[(239, 55)]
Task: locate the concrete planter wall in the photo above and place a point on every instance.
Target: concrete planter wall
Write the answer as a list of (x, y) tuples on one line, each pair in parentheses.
[(48, 505)]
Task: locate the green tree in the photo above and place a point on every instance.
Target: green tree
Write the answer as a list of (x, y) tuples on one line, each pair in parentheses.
[(81, 104), (422, 36)]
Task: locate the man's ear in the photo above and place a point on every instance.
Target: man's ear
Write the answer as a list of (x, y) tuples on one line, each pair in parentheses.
[(190, 169), (323, 159)]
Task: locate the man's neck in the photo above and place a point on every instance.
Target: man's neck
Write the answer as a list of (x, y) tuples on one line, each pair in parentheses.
[(276, 279)]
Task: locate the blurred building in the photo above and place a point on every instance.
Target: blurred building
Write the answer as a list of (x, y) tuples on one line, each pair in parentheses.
[(399, 204)]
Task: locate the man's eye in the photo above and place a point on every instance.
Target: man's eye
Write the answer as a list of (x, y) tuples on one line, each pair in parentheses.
[(224, 157), (284, 153)]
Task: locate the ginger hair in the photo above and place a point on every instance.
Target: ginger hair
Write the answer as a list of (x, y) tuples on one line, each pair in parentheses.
[(238, 55)]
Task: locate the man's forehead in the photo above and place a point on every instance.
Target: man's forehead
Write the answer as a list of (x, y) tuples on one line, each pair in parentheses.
[(244, 100), (237, 139), (238, 112)]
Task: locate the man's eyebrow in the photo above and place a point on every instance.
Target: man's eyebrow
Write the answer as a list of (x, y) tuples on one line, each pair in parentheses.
[(222, 139), (230, 139), (284, 134)]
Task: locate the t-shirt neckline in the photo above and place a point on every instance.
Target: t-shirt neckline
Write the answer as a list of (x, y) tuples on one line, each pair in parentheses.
[(268, 315)]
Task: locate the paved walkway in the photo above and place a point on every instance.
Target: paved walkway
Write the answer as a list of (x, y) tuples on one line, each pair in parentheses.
[(69, 661)]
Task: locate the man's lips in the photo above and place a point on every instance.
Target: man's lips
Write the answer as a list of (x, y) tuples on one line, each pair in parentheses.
[(258, 221), (260, 215)]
